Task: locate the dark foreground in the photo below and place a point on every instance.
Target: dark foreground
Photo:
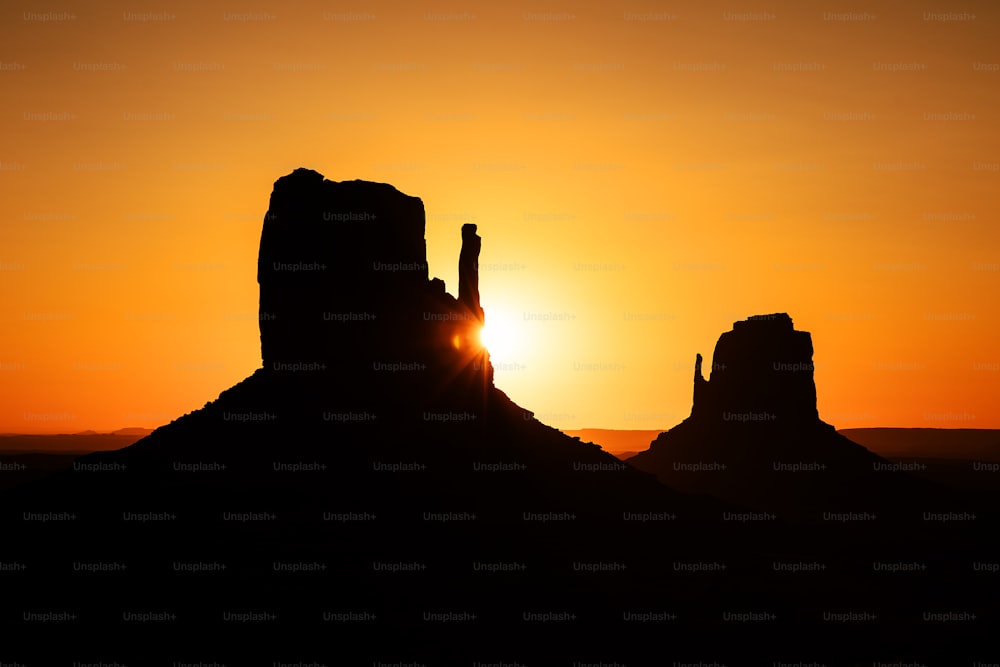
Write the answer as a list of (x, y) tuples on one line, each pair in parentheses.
[(471, 549)]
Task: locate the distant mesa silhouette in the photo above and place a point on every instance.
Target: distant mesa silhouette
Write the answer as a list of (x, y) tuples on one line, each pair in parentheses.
[(754, 435)]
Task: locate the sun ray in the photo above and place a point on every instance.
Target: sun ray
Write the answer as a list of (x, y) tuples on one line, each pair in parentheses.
[(501, 336)]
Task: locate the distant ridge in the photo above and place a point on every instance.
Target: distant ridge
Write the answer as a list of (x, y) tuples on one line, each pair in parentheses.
[(77, 443), (614, 441), (941, 443), (128, 430), (132, 430)]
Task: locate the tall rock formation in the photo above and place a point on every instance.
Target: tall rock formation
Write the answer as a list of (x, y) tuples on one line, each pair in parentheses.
[(369, 362), (334, 253), (762, 371), (345, 294), (468, 271)]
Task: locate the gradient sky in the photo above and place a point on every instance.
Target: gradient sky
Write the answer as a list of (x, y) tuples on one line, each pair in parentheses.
[(642, 174)]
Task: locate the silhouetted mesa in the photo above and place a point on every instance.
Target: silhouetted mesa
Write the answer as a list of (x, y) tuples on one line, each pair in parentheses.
[(754, 435), (344, 285), (369, 365), (762, 372)]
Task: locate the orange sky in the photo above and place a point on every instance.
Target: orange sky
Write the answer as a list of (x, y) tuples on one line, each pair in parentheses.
[(642, 174)]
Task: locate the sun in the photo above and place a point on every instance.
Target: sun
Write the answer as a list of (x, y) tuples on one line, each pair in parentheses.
[(501, 336)]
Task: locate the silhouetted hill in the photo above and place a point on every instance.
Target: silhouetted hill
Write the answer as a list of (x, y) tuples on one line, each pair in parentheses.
[(755, 437), (367, 361)]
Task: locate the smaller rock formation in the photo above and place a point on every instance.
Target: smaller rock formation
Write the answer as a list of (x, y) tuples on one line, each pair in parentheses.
[(754, 435), (345, 297), (762, 371)]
